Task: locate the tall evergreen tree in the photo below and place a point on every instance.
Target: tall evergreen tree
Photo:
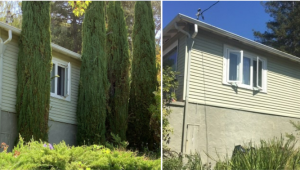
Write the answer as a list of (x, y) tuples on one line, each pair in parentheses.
[(283, 31), (144, 81), (33, 71), (93, 84), (118, 69)]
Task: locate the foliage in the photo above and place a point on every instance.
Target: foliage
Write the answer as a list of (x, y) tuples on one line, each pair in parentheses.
[(276, 153), (15, 8), (79, 7), (155, 120), (169, 83), (118, 70), (93, 83), (283, 31), (66, 28), (33, 69), (34, 155), (158, 64), (156, 7), (117, 143), (176, 162), (144, 81)]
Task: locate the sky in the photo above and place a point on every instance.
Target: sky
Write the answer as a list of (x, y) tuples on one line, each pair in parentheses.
[(237, 17)]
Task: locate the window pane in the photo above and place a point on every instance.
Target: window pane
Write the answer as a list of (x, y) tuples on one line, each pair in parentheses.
[(234, 64), (254, 73), (61, 81), (246, 70), (52, 74), (260, 73), (171, 59)]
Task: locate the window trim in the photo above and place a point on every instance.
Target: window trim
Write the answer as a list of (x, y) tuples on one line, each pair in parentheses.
[(68, 66), (253, 57)]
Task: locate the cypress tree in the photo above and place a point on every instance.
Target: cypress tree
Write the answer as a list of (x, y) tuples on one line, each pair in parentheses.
[(118, 69), (33, 71), (144, 80), (93, 84)]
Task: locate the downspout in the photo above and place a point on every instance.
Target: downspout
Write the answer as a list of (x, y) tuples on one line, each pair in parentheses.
[(190, 43), (2, 49)]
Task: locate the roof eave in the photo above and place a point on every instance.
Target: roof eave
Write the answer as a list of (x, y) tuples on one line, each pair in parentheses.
[(55, 47), (224, 33)]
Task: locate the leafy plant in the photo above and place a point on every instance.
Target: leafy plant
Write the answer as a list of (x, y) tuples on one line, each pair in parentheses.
[(169, 84), (33, 155), (79, 7), (117, 143), (276, 153)]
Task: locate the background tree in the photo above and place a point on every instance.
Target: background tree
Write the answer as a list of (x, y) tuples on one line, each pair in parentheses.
[(66, 28), (283, 31), (33, 71), (144, 81), (15, 9), (93, 84), (118, 69)]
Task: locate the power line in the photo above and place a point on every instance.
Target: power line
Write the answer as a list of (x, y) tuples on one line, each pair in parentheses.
[(201, 14)]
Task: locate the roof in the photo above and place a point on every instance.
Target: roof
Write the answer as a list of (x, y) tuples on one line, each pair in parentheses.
[(55, 47), (170, 31)]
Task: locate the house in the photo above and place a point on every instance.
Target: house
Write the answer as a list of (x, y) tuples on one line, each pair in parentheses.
[(231, 89), (63, 102)]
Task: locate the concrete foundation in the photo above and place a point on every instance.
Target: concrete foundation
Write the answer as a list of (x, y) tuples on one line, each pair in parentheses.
[(8, 129), (214, 130), (58, 131)]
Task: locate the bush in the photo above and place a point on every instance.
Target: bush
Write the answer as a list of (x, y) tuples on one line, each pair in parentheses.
[(39, 155), (272, 154)]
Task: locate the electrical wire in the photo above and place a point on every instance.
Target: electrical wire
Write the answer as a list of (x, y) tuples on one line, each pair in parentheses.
[(208, 9)]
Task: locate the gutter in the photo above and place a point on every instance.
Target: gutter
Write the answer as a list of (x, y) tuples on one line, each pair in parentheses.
[(54, 47), (227, 34), (190, 43), (2, 49)]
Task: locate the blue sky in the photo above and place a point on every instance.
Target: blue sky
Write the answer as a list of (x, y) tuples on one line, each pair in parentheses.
[(236, 17)]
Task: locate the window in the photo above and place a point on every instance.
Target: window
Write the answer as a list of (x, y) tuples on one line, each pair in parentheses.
[(245, 70), (170, 59), (170, 56), (61, 80)]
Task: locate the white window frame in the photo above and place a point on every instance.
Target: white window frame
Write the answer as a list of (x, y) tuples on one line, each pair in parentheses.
[(66, 65), (239, 83)]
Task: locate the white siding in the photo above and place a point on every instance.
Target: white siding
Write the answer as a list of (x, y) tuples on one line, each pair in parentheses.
[(60, 110), (283, 81)]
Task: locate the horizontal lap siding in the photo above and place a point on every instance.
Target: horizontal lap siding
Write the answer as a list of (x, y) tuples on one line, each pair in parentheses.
[(9, 80), (283, 82), (60, 110)]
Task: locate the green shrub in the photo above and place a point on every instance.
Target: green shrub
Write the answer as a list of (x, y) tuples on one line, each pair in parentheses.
[(272, 154), (39, 155), (174, 163)]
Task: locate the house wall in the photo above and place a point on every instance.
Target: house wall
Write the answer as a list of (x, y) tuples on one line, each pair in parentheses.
[(63, 110), (181, 63), (62, 113), (283, 80), (214, 130)]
